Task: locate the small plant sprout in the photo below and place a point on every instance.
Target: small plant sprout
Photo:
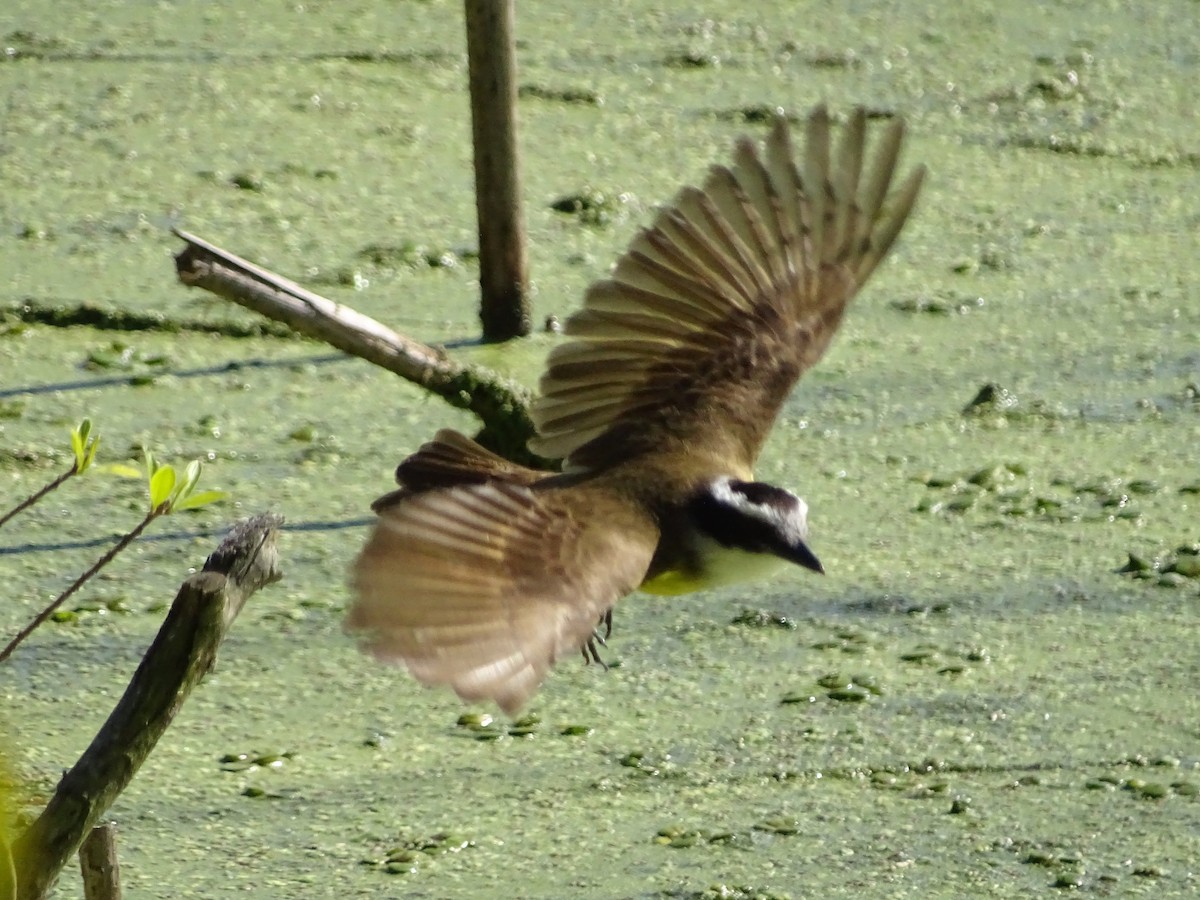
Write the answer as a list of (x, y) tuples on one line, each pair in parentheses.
[(168, 493), (83, 446), (172, 494)]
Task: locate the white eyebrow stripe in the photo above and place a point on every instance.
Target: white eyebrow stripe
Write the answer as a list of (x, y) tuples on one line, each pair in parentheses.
[(791, 522)]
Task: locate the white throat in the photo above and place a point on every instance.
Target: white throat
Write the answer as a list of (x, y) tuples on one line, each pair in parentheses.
[(731, 565)]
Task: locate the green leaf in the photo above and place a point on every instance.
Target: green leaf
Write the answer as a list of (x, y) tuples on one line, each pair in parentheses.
[(77, 444), (91, 454), (184, 486), (151, 463), (162, 482), (190, 476), (195, 501), (83, 445), (121, 470)]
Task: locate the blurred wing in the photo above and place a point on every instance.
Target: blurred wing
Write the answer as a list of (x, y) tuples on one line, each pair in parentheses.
[(484, 587), (715, 311), (452, 459)]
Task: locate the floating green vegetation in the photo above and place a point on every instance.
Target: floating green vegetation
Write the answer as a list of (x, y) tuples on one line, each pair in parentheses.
[(248, 181), (946, 661), (257, 182), (995, 403), (727, 892), (92, 607), (1069, 869), (1008, 490), (578, 96), (987, 258), (250, 762), (940, 305), (692, 59), (244, 761), (1147, 788), (650, 765), (485, 727), (257, 792), (961, 806), (406, 856), (119, 356), (839, 688), (23, 44), (849, 688), (319, 447), (13, 409), (412, 255), (595, 207), (761, 618), (1067, 864), (681, 837), (1171, 568), (754, 114), (847, 58), (846, 640), (14, 319)]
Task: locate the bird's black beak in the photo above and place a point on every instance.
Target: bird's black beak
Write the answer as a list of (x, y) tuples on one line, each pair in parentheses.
[(802, 556)]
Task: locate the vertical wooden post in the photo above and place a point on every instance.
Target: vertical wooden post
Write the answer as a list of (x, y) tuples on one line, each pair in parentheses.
[(503, 269), (98, 863)]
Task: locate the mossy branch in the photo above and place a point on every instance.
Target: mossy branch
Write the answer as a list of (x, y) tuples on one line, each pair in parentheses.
[(182, 653), (501, 405)]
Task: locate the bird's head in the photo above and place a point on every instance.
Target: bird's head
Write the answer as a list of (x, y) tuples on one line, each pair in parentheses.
[(755, 518)]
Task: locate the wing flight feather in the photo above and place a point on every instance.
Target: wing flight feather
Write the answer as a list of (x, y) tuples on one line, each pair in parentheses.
[(484, 587), (717, 308)]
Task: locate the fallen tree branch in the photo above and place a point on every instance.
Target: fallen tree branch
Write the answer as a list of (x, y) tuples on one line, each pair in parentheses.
[(501, 406), (182, 653)]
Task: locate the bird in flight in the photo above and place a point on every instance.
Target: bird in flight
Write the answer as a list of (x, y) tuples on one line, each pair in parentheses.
[(480, 573)]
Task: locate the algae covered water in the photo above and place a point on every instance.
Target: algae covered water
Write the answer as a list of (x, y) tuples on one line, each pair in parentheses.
[(973, 702)]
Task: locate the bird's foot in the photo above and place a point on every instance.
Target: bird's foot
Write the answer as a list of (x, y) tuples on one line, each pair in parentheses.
[(591, 650)]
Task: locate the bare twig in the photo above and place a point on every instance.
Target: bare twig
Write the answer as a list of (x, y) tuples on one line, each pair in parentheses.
[(40, 493), (79, 582), (499, 404), (182, 653)]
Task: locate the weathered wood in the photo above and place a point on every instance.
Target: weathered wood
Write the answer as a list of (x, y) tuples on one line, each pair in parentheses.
[(182, 653), (98, 864), (501, 405), (503, 266), (207, 266)]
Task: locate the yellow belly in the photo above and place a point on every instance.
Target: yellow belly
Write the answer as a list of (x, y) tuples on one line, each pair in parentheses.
[(719, 566), (670, 584)]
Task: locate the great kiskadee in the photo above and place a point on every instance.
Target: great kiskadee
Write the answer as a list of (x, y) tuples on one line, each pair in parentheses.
[(481, 573)]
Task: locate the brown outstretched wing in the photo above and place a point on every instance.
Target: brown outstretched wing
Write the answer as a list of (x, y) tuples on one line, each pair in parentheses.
[(452, 459), (483, 587), (716, 309)]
